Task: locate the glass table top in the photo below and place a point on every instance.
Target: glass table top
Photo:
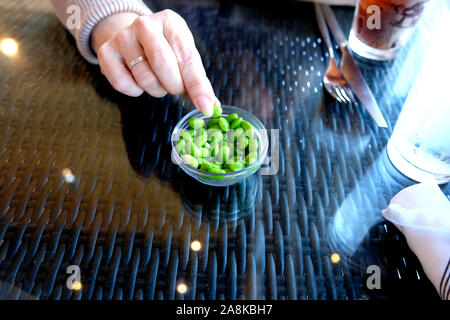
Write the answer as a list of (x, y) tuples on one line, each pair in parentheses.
[(87, 181)]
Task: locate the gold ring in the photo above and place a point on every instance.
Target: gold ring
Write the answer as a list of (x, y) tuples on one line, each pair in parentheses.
[(135, 61)]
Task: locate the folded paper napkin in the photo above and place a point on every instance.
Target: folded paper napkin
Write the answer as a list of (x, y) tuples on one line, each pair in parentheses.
[(422, 213)]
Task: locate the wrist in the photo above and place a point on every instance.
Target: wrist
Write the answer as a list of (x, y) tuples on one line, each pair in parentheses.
[(108, 27)]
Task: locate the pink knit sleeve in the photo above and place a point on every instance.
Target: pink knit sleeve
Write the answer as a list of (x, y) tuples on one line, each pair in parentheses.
[(92, 12)]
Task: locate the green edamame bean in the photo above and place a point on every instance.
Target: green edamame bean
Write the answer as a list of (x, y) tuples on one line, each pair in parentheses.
[(217, 112), (237, 133), (186, 136), (199, 160), (215, 170), (239, 152), (223, 124), (236, 123), (193, 150), (214, 135), (212, 122), (196, 123), (251, 158), (253, 145), (215, 148), (236, 166), (250, 133), (216, 165), (246, 125), (191, 160), (181, 144), (206, 166), (242, 142), (232, 117), (216, 126), (212, 131), (201, 139), (224, 154), (206, 153), (217, 178), (218, 161)]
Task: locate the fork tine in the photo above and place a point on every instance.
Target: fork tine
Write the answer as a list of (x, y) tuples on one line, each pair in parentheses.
[(337, 97), (350, 94), (331, 91), (344, 94), (339, 94), (334, 96)]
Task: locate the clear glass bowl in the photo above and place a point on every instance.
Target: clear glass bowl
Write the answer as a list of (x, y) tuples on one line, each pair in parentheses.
[(215, 179)]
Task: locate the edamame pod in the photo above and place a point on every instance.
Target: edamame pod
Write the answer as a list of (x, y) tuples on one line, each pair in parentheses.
[(242, 142), (201, 139), (181, 144), (236, 166), (251, 158), (217, 112), (186, 135), (192, 149), (196, 123), (232, 117), (211, 123), (223, 124), (206, 166), (253, 145), (191, 160), (236, 123), (246, 125)]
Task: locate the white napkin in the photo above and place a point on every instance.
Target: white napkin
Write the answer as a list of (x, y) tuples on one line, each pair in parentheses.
[(422, 213)]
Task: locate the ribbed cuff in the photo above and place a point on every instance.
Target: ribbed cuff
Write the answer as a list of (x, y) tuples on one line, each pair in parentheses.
[(95, 11)]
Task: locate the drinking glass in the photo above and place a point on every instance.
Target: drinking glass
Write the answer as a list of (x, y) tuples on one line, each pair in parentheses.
[(420, 143), (381, 27)]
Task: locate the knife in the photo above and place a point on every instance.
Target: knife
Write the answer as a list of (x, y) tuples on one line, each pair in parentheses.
[(351, 72)]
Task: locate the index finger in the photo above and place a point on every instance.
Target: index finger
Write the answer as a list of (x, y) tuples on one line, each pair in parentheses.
[(196, 83)]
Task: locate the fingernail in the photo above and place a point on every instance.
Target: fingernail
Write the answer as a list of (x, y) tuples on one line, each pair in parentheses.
[(217, 102), (205, 105)]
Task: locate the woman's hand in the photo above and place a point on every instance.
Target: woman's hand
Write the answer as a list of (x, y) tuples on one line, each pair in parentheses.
[(173, 63)]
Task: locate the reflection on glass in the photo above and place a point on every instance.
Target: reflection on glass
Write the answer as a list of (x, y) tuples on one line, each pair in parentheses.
[(9, 47), (76, 286), (219, 203), (68, 175), (335, 257), (350, 131), (360, 210), (196, 245), (181, 288)]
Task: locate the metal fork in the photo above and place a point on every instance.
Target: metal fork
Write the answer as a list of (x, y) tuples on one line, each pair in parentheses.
[(333, 80)]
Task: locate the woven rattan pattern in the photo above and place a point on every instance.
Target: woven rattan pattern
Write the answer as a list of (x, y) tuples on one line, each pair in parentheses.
[(124, 219)]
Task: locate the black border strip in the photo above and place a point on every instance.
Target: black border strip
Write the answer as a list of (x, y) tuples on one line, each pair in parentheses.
[(444, 289)]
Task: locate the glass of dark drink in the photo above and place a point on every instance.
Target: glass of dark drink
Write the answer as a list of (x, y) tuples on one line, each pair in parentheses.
[(381, 27)]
